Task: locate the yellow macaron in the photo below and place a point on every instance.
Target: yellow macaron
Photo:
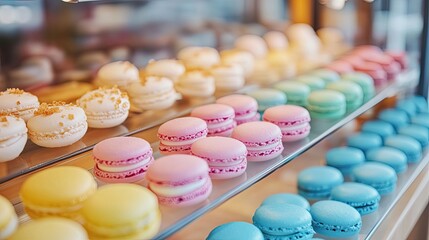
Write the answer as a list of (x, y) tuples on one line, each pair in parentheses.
[(8, 218), (50, 228), (122, 211), (57, 191)]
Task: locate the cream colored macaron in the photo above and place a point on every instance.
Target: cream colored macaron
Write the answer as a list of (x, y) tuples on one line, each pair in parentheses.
[(50, 228), (8, 218), (169, 68), (228, 76), (253, 44), (196, 83), (276, 40), (199, 57), (105, 107), (243, 58), (57, 125), (121, 74), (18, 102), (13, 137)]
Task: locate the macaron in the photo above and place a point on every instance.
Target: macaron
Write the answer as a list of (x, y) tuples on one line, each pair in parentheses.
[(219, 118), (8, 218), (399, 57), (122, 159), (199, 57), (226, 157), (187, 183), (287, 198), (419, 133), (236, 231), (344, 158), (326, 104), (283, 221), (228, 77), (121, 211), (364, 81), (263, 140), (296, 92), (421, 119), (245, 107), (364, 141), (105, 107), (177, 135), (243, 58), (18, 102), (152, 93), (421, 103), (168, 68), (389, 156), (253, 44), (352, 92), (377, 175), (50, 228), (317, 182), (315, 83), (196, 83), (57, 191), (57, 125), (407, 145), (293, 121), (120, 73), (267, 98), (408, 106), (374, 70), (335, 219), (326, 75), (396, 117), (381, 128), (13, 137), (362, 197)]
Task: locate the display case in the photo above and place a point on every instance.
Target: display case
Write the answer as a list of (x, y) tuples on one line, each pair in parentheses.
[(76, 39)]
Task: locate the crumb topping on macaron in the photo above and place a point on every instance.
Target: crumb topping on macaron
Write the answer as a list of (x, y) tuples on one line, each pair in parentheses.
[(16, 91)]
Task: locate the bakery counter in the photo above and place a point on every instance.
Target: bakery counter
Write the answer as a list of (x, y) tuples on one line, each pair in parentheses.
[(395, 218)]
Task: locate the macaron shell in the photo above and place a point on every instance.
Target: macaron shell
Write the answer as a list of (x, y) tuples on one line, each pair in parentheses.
[(237, 231), (389, 156), (240, 103), (362, 197), (119, 149), (184, 127), (380, 176), (213, 113), (219, 151), (17, 102), (257, 133), (120, 73), (13, 137), (282, 198)]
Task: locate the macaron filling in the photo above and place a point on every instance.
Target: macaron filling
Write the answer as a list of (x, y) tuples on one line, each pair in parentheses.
[(381, 187), (236, 168), (314, 192), (303, 232), (8, 141), (328, 228)]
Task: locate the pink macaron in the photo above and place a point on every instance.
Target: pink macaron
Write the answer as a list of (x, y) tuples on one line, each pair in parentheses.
[(294, 121), (340, 67), (122, 159), (180, 180), (177, 135), (245, 107), (219, 118), (400, 57), (263, 140), (226, 156), (374, 70), (389, 65)]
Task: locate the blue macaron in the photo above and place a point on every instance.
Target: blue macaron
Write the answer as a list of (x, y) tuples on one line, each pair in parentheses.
[(421, 134), (364, 141), (236, 231), (421, 119), (335, 219), (344, 158), (421, 103), (381, 128), (377, 175), (396, 117), (362, 197), (408, 145), (389, 156), (317, 182), (268, 97), (289, 198), (283, 221), (408, 106)]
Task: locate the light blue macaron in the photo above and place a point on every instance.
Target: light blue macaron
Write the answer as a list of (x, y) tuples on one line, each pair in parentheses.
[(364, 141), (326, 75), (268, 97), (389, 156), (289, 198), (377, 175), (417, 132), (362, 197), (381, 128), (344, 158), (396, 117), (315, 83), (317, 182), (421, 103), (335, 219), (408, 106), (296, 92), (236, 231), (421, 119), (283, 221), (408, 145)]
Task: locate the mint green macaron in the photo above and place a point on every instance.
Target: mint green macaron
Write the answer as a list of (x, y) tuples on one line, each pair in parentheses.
[(326, 75), (268, 97), (315, 83), (326, 104), (352, 91), (296, 92), (364, 81)]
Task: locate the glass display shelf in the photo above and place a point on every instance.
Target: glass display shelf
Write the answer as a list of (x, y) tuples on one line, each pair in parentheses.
[(173, 219)]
